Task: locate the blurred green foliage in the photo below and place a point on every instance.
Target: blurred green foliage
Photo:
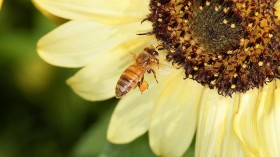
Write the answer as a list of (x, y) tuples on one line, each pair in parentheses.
[(40, 116)]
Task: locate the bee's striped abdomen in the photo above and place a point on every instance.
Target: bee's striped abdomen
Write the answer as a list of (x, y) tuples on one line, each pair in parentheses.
[(129, 80)]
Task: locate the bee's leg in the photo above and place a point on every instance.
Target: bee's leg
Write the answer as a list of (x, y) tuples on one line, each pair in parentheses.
[(153, 71), (157, 61), (143, 85), (140, 82)]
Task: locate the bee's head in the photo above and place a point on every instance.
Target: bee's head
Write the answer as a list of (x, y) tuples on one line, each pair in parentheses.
[(151, 50)]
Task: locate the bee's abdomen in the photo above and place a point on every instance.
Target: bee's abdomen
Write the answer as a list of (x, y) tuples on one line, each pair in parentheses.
[(129, 80)]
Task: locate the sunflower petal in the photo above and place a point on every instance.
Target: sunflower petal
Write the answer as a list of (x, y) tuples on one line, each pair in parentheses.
[(108, 11), (1, 2), (77, 43), (277, 7), (269, 119), (231, 146), (97, 81), (245, 123), (173, 121), (57, 20), (213, 118), (131, 117)]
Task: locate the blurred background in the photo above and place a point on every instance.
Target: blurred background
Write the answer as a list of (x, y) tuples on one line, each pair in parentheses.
[(40, 116)]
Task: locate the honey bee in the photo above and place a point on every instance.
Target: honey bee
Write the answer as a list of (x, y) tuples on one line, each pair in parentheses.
[(133, 76)]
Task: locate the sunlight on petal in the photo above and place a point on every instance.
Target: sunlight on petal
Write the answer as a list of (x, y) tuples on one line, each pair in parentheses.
[(212, 123), (107, 11), (77, 43), (97, 81), (174, 118)]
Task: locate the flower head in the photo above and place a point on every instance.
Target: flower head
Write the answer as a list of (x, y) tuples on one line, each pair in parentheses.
[(229, 45), (227, 51)]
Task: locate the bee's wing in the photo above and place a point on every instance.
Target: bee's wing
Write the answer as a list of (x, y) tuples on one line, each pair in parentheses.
[(133, 55)]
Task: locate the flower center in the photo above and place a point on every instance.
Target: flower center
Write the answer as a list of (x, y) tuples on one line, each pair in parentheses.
[(230, 45), (215, 28)]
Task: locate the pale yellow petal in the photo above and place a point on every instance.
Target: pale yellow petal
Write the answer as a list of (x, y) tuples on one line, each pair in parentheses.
[(131, 117), (269, 119), (1, 2), (277, 7), (97, 80), (173, 121), (108, 11), (77, 43), (52, 17), (231, 146), (245, 123), (257, 121), (212, 123)]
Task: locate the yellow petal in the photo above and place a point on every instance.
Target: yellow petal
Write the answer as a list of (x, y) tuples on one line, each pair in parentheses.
[(97, 80), (277, 7), (257, 121), (173, 121), (269, 119), (52, 17), (212, 123), (77, 43), (1, 2), (245, 123), (231, 146), (107, 11), (131, 117)]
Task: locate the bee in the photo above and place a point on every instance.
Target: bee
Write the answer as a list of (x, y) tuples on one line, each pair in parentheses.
[(133, 76)]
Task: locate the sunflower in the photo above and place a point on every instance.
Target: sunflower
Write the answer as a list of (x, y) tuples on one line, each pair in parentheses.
[(224, 89)]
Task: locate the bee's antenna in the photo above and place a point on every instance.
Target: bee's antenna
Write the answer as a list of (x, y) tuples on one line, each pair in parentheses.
[(160, 47)]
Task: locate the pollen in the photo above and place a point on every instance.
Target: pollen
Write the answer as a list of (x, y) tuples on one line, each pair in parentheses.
[(225, 21), (228, 45)]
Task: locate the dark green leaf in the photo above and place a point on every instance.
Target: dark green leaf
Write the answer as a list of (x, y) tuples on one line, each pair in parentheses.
[(137, 148), (94, 140), (190, 151)]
